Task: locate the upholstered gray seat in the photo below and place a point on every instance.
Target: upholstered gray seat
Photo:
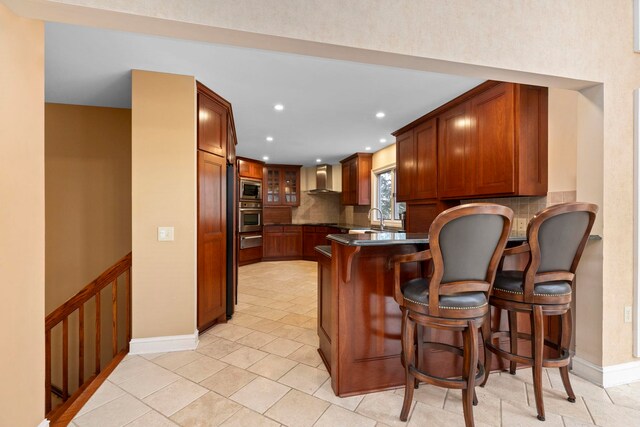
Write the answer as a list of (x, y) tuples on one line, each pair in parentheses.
[(513, 282), (417, 291)]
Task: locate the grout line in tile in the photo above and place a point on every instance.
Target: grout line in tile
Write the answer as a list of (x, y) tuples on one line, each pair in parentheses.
[(593, 420)]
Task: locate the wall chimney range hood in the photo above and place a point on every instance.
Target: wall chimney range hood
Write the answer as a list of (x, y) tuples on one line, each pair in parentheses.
[(323, 180)]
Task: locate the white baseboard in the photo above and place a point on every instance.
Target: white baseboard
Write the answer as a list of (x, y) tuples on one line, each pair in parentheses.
[(607, 376), (163, 344), (44, 423)]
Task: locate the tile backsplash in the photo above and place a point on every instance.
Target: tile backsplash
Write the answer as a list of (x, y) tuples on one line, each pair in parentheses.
[(317, 208), (524, 208), (357, 215)]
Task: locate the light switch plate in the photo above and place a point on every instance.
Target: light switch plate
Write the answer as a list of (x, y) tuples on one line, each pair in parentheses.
[(165, 234)]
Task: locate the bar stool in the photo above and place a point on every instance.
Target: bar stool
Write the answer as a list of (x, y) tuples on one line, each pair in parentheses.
[(466, 244), (556, 238)]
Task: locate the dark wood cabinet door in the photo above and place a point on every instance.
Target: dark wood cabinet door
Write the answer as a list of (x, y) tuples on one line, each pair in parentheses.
[(426, 165), (290, 186), (362, 190), (493, 141), (453, 141), (249, 169), (231, 141), (346, 180), (291, 244), (272, 194), (405, 166), (211, 239), (212, 126)]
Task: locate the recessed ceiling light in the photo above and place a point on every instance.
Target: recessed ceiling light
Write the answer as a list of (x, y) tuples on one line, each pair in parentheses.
[(318, 160), (278, 107), (265, 158), (382, 140), (367, 148), (380, 114), (269, 139)]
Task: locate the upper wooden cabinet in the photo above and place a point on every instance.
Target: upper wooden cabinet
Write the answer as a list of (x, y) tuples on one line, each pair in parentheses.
[(216, 128), (416, 163), (356, 179), (281, 185), (248, 168), (490, 141)]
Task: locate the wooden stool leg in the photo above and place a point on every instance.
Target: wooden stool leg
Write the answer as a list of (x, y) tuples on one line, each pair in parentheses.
[(419, 350), (486, 338), (513, 333), (470, 364), (537, 324), (565, 342), (409, 357)]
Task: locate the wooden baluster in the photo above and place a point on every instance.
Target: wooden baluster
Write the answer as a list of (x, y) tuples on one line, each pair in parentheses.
[(65, 359), (114, 317), (47, 370), (128, 305), (98, 333), (81, 346)]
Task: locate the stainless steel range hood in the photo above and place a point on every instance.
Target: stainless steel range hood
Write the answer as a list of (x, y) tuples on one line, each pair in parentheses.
[(324, 178)]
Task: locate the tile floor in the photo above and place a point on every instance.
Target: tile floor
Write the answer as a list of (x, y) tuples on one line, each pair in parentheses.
[(262, 369)]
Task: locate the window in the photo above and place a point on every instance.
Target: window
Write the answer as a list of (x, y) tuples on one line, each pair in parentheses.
[(385, 196)]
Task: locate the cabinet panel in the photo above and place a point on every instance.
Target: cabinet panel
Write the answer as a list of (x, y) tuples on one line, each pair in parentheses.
[(212, 126), (282, 185), (250, 168), (493, 141), (291, 186), (453, 142), (356, 179), (211, 239), (426, 177), (272, 193), (346, 198), (405, 166)]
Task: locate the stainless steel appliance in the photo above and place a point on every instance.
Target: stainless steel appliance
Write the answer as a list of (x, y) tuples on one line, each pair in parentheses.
[(250, 189), (247, 242), (250, 216)]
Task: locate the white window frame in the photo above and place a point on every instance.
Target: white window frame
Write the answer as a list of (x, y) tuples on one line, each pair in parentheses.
[(374, 196)]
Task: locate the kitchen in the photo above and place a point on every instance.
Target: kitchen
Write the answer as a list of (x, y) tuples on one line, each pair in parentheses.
[(349, 215)]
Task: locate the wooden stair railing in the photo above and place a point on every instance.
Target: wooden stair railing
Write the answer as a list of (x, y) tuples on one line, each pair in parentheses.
[(71, 404)]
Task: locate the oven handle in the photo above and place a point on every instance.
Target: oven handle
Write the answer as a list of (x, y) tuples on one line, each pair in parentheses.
[(250, 237)]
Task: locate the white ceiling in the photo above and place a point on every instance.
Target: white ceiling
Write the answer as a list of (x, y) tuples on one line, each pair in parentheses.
[(330, 105)]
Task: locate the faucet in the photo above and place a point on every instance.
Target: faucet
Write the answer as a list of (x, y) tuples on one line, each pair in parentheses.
[(381, 217)]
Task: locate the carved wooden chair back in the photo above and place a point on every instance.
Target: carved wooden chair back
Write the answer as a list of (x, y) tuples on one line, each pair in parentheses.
[(466, 244), (557, 237)]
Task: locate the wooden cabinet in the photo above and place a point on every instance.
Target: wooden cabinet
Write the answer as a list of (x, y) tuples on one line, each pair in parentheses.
[(325, 315), (416, 163), (216, 213), (314, 236), (494, 144), (356, 179), (454, 160), (282, 242), (282, 185), (249, 168), (212, 123), (212, 249)]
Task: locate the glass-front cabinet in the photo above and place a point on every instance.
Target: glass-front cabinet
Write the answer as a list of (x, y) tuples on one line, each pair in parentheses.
[(283, 185), (273, 187)]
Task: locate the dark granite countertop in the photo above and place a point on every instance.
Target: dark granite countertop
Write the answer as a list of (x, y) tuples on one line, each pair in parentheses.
[(386, 239), (332, 224), (324, 250)]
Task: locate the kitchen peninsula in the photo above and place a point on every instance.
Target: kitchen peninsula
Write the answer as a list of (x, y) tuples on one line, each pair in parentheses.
[(358, 319)]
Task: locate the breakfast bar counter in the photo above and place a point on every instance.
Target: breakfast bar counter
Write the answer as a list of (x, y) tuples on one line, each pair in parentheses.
[(358, 319)]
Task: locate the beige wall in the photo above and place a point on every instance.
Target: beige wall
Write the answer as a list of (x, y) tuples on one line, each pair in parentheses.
[(22, 220), (563, 139), (88, 195), (384, 157), (163, 128)]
